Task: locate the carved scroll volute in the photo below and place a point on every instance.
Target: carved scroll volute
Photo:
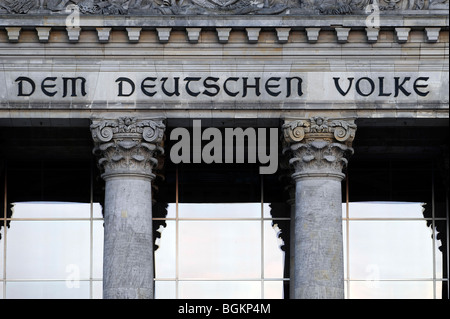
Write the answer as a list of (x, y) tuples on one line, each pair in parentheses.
[(128, 145), (318, 146), (344, 131), (337, 130), (294, 132)]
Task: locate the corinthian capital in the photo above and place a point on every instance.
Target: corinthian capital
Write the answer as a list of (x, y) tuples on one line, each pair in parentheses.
[(319, 146), (128, 145)]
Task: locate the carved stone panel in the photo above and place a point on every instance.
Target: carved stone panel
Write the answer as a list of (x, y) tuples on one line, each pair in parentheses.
[(214, 7)]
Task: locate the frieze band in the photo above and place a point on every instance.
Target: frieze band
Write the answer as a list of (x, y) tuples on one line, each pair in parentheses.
[(216, 7), (236, 86)]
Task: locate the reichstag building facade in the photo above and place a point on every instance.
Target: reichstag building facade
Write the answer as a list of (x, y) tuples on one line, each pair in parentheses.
[(259, 149)]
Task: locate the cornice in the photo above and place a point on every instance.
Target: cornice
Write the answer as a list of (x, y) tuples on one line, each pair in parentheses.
[(163, 25)]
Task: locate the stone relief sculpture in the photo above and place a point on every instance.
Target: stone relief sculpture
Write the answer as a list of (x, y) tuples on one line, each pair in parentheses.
[(214, 7)]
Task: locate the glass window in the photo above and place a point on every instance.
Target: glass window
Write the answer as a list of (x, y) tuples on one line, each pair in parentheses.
[(214, 252), (274, 256), (386, 210), (220, 289), (222, 249), (392, 251), (220, 210), (58, 246), (47, 290), (392, 289), (47, 249), (51, 210)]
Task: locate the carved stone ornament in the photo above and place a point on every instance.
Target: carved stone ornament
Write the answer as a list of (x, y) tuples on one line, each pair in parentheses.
[(319, 146), (213, 7), (128, 145)]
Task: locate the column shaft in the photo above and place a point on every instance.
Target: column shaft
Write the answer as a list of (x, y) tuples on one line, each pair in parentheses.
[(128, 246), (318, 263)]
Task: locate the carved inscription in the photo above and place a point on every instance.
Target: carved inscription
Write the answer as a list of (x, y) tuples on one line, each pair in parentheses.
[(230, 87), (212, 86), (365, 86), (75, 85)]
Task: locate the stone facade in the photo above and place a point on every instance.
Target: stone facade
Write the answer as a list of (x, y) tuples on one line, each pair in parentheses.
[(318, 66)]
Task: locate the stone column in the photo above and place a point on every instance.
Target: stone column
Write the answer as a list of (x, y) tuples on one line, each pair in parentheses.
[(127, 149), (319, 149)]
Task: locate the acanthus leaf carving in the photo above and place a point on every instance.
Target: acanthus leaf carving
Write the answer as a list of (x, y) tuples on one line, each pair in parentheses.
[(321, 148), (123, 147)]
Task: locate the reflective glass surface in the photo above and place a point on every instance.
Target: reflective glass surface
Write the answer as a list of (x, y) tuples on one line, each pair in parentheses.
[(29, 255), (220, 289), (220, 210), (390, 249), (47, 290), (53, 250), (391, 289), (220, 251), (393, 251), (386, 210)]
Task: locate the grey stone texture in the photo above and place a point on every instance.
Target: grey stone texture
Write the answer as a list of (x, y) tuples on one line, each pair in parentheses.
[(128, 246), (318, 261), (213, 7), (127, 149), (319, 149)]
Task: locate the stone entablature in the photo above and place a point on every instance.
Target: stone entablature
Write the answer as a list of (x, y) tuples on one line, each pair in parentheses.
[(429, 22)]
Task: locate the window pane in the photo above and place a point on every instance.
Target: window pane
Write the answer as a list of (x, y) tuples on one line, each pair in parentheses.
[(48, 249), (51, 210), (97, 249), (220, 249), (344, 235), (47, 290), (220, 289), (440, 240), (273, 255), (2, 248), (165, 289), (385, 210), (97, 289), (391, 289), (165, 255), (171, 210), (390, 250), (224, 210), (274, 289), (97, 210)]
